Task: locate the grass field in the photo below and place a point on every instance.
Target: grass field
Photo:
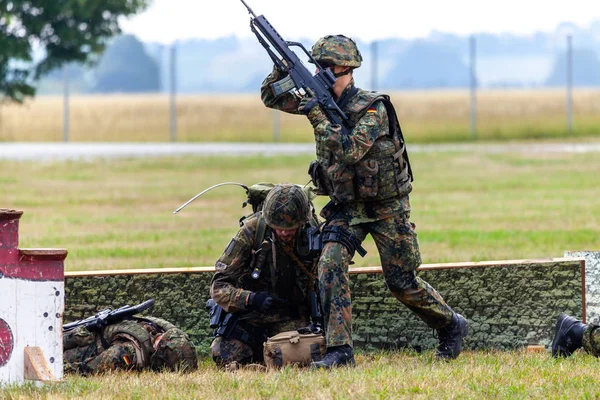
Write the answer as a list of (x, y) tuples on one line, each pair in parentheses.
[(377, 376), (117, 214), (429, 116)]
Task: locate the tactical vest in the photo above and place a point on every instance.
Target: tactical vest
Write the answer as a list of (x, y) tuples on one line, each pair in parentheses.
[(384, 172), (266, 255)]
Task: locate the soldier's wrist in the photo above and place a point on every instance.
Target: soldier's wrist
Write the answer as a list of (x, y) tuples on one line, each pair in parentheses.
[(250, 299), (316, 116)]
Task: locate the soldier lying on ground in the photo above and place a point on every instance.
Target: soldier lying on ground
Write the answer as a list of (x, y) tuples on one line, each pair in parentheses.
[(137, 343), (265, 277), (572, 334)]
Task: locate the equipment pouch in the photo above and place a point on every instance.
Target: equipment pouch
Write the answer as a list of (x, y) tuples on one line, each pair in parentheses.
[(293, 348), (316, 173), (215, 313), (343, 185), (367, 182)]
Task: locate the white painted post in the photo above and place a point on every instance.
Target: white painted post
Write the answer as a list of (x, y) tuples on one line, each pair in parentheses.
[(31, 310)]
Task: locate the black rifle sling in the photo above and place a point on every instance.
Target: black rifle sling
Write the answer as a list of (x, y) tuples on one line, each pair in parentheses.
[(258, 256)]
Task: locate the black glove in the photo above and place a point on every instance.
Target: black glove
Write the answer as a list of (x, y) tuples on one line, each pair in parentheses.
[(310, 107), (307, 104), (264, 302)]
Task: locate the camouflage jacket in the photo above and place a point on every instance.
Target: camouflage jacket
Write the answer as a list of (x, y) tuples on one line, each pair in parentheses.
[(129, 344), (124, 345), (367, 128), (286, 271)]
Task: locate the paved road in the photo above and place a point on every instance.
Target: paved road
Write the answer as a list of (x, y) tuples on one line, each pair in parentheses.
[(88, 151)]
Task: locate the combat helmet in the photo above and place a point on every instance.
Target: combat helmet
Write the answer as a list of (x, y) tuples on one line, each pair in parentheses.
[(286, 207), (337, 50), (174, 352)]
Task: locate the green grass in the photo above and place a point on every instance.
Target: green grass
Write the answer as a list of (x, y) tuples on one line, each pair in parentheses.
[(380, 375), (467, 206), (117, 214)]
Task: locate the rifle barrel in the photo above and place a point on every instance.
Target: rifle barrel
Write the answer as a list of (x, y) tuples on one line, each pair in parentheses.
[(249, 9)]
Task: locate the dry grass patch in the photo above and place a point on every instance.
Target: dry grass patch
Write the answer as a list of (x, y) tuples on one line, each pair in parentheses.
[(436, 115)]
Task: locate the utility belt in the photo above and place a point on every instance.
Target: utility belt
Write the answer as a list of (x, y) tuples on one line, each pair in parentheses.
[(378, 176)]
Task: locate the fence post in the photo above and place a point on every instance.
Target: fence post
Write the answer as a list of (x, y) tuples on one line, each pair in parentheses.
[(173, 92), (569, 83), (66, 111), (374, 65), (276, 125), (473, 86)]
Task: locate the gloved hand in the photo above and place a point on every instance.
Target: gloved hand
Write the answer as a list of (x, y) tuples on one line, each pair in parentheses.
[(264, 302), (307, 104), (311, 108)]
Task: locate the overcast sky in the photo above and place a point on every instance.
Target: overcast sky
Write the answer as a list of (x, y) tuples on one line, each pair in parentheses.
[(168, 20)]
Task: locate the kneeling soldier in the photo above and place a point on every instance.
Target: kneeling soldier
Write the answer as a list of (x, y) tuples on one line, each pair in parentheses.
[(264, 280)]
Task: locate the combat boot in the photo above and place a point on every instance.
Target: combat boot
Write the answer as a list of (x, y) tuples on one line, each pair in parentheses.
[(568, 336), (451, 336), (336, 357)]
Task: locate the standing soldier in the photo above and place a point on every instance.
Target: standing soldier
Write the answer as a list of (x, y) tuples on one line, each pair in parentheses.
[(368, 177), (264, 279), (134, 344)]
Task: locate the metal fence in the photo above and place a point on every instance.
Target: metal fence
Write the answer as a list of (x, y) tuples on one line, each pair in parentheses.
[(374, 69)]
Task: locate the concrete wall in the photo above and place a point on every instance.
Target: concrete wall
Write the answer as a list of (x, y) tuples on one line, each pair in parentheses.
[(592, 283), (509, 304)]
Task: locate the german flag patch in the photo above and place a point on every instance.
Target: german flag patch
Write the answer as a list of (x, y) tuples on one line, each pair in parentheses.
[(127, 360), (372, 109)]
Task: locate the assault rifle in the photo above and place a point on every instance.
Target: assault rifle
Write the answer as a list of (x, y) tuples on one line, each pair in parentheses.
[(109, 316), (298, 77)]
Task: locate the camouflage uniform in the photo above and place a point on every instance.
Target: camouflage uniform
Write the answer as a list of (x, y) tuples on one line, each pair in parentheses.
[(288, 273), (591, 340), (141, 343), (386, 217)]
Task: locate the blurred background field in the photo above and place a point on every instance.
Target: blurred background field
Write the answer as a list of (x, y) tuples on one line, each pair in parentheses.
[(426, 116), (117, 214)]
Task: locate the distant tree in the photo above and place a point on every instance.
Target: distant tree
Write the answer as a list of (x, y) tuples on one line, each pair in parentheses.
[(126, 67), (64, 31), (586, 69), (427, 65)]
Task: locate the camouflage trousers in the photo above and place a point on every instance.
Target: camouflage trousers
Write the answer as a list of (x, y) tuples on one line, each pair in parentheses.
[(87, 359), (396, 241), (591, 340), (227, 350)]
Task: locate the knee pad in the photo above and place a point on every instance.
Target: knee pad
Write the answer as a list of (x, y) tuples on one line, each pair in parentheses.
[(341, 235)]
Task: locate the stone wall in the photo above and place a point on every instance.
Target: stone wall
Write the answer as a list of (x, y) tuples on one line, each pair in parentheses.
[(509, 304)]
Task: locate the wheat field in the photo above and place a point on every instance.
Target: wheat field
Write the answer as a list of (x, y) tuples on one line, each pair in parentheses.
[(427, 116)]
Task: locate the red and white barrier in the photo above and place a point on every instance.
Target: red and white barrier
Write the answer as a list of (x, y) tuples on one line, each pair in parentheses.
[(31, 307)]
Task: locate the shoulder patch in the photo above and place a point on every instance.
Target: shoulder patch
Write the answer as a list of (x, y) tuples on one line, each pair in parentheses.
[(230, 246)]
